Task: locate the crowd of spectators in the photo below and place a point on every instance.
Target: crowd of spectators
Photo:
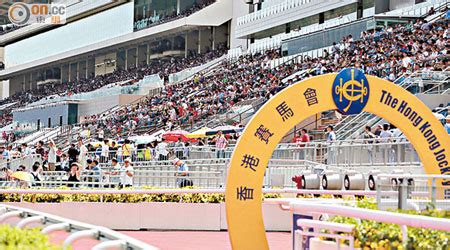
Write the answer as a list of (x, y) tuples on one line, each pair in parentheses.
[(389, 53), (8, 28), (164, 17), (162, 67)]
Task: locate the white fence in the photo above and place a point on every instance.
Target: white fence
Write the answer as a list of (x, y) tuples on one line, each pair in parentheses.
[(322, 208), (77, 230)]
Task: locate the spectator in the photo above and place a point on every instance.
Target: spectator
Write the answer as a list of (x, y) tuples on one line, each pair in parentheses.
[(36, 174), (64, 163), (74, 174), (183, 173), (221, 145), (26, 151), (179, 148), (161, 149), (368, 138), (447, 124), (51, 155), (386, 138), (116, 168), (331, 139), (39, 149), (105, 152), (126, 149), (73, 154), (83, 152), (127, 173)]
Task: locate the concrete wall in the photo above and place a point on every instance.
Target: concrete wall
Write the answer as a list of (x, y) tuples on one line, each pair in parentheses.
[(101, 104), (157, 216), (53, 112), (4, 89), (433, 101), (101, 67), (397, 4), (127, 99), (220, 35), (381, 6), (102, 26), (15, 84), (2, 54), (205, 43), (192, 41), (239, 9)]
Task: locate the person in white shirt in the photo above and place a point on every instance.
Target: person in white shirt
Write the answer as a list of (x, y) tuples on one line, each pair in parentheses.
[(162, 151), (51, 155), (126, 174), (26, 151), (116, 175), (331, 138), (105, 152), (64, 164), (100, 134), (83, 153), (386, 137)]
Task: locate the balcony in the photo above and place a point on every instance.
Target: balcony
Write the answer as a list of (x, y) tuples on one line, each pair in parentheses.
[(285, 12)]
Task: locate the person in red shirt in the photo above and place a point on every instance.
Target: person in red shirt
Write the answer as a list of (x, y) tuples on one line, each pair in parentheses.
[(304, 137), (301, 140)]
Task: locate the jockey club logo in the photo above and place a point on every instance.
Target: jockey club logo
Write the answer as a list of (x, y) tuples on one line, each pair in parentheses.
[(350, 91)]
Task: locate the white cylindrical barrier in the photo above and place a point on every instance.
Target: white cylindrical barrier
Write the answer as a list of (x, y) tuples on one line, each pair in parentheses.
[(372, 180), (354, 181), (332, 181), (311, 181)]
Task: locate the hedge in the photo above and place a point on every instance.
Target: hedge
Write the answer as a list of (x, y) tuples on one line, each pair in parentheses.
[(374, 235), (121, 198), (24, 239)]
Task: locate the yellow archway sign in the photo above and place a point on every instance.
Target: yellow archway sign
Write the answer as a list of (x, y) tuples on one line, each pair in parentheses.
[(350, 92)]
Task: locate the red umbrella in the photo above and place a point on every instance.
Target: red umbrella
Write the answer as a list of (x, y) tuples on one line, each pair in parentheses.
[(173, 136)]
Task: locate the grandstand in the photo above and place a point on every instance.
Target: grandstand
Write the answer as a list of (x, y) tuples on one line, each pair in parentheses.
[(129, 101)]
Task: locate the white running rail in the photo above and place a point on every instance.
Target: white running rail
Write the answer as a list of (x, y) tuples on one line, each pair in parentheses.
[(77, 230)]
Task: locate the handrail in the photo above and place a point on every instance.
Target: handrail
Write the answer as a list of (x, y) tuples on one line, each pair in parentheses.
[(183, 191), (101, 233), (375, 215)]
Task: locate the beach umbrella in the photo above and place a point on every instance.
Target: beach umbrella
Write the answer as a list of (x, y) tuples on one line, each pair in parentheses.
[(173, 136), (21, 175), (200, 133), (225, 130)]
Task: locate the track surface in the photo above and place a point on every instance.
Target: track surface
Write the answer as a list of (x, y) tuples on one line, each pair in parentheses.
[(183, 240)]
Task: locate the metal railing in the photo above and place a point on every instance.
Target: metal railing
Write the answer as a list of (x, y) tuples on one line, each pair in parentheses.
[(183, 191), (78, 230), (317, 208), (406, 191)]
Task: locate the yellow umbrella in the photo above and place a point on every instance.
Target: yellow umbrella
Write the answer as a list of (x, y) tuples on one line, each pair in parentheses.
[(201, 133), (97, 144), (21, 175)]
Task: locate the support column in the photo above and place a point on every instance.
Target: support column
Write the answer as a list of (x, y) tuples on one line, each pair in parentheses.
[(126, 59), (78, 71), (31, 80), (178, 7), (213, 37), (70, 73), (137, 57), (148, 54), (199, 41), (186, 45)]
